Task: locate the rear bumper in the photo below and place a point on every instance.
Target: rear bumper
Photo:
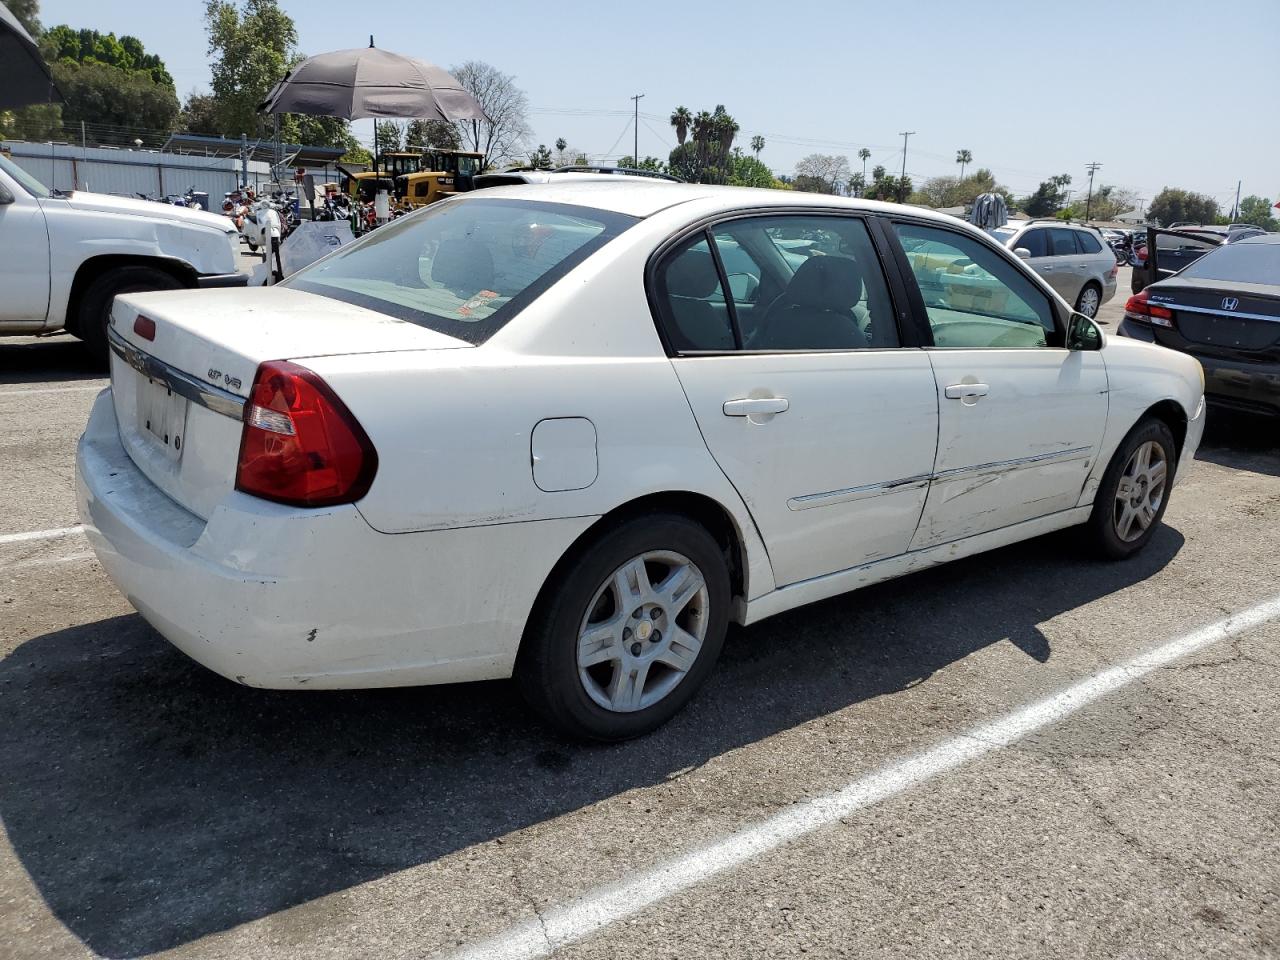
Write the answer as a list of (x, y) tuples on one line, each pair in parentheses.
[(209, 280), (272, 596), (1253, 387)]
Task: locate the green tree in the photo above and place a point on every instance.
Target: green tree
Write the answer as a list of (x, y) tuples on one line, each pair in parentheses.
[(63, 44), (1048, 198), (387, 136), (117, 105), (648, 163), (706, 157), (200, 115), (431, 135), (1257, 210), (250, 48), (864, 155), (540, 159), (964, 158), (28, 14), (682, 120), (1173, 205), (857, 184), (748, 171), (757, 144)]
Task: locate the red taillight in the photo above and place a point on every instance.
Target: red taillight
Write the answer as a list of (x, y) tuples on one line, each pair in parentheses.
[(300, 443), (1140, 309), (144, 327)]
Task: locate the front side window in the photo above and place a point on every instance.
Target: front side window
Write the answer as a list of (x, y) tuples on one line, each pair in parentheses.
[(464, 267), (1034, 241), (973, 296)]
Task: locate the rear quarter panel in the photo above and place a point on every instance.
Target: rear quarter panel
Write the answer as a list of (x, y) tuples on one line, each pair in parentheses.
[(453, 428)]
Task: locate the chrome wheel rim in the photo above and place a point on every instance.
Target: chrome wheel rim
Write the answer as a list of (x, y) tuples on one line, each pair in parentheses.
[(1140, 491), (1089, 302), (642, 631)]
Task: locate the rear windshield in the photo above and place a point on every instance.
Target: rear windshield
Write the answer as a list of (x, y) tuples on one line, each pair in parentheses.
[(463, 267), (1239, 263)]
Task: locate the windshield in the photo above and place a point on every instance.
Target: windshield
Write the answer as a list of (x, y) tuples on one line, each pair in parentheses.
[(464, 267), (1239, 263), (26, 180)]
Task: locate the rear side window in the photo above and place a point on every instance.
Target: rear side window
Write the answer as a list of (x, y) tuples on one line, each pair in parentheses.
[(693, 300), (1034, 241), (1062, 243), (1239, 263), (1088, 242), (464, 267)]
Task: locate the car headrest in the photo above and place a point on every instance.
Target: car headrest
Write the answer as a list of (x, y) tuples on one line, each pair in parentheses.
[(464, 266), (692, 274), (830, 283)]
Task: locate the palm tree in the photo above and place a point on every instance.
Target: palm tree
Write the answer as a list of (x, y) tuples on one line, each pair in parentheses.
[(757, 144), (964, 158), (682, 120), (863, 155), (703, 131), (726, 128)]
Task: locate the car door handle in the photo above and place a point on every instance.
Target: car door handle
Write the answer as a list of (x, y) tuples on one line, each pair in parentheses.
[(755, 406), (962, 391)]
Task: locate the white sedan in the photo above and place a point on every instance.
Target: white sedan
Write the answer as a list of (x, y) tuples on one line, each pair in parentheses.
[(569, 432)]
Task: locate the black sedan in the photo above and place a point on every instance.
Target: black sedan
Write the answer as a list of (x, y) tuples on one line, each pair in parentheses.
[(1224, 310)]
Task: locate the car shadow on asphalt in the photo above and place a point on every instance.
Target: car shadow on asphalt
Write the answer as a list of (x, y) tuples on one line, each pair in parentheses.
[(153, 802), (48, 360), (1241, 441)]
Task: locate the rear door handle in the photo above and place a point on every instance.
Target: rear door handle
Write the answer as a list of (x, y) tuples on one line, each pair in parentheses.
[(755, 406), (962, 391)]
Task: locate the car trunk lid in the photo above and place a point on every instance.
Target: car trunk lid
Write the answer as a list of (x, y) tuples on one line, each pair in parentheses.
[(180, 375), (1242, 322)]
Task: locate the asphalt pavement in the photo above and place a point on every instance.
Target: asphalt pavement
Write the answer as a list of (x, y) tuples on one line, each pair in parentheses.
[(1028, 753)]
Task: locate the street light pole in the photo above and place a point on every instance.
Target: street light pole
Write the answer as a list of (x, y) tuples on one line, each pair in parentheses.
[(635, 150), (1088, 203), (902, 181)]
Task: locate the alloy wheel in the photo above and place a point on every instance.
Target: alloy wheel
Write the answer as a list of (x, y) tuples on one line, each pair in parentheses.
[(643, 630), (1089, 302), (1140, 491)]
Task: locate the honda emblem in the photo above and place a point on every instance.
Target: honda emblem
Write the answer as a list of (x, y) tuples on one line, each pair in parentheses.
[(1230, 303)]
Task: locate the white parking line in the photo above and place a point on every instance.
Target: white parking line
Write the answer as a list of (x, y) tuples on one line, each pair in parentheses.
[(40, 535), (26, 393), (46, 561), (599, 908)]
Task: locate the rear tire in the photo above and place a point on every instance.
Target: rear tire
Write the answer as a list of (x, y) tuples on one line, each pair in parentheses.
[(1134, 492), (95, 304), (608, 657)]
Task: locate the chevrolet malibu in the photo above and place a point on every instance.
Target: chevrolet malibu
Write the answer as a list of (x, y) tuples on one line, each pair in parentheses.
[(569, 432)]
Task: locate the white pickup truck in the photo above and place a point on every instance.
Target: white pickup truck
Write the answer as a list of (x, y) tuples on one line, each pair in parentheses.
[(65, 256)]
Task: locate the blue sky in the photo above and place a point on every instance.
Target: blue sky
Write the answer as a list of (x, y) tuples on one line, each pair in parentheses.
[(1161, 93)]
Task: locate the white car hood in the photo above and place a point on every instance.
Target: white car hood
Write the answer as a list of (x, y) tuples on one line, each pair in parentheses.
[(104, 203)]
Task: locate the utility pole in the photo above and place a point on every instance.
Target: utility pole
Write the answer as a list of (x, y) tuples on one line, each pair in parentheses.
[(1088, 203), (1235, 211), (903, 180), (635, 151)]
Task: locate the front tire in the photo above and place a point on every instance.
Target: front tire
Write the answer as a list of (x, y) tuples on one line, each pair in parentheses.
[(1134, 492), (1089, 301), (95, 304), (629, 629)]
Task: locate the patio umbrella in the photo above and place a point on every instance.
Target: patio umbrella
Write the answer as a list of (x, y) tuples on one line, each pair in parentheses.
[(368, 82), (989, 211), (24, 76)]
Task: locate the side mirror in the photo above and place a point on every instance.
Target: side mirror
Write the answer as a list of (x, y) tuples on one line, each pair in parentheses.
[(1022, 253), (6, 196), (1083, 333)]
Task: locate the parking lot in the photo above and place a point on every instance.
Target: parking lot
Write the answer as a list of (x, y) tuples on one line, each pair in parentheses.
[(150, 807)]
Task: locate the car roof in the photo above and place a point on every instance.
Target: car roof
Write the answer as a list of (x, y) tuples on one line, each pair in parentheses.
[(644, 196), (1261, 238)]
